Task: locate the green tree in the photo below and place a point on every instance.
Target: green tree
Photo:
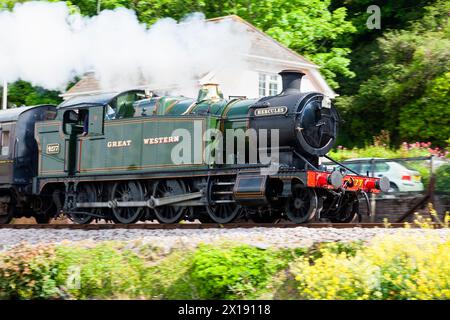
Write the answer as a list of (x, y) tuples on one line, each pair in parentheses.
[(22, 93), (313, 30), (395, 15), (410, 70), (433, 108)]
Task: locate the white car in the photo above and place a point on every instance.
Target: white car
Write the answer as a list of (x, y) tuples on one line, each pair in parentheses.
[(401, 178)]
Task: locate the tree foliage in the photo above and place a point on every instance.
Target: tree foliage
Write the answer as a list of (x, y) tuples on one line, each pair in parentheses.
[(395, 15), (22, 93), (407, 92), (395, 78)]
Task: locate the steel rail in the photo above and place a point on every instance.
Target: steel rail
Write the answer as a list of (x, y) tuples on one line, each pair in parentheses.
[(156, 226)]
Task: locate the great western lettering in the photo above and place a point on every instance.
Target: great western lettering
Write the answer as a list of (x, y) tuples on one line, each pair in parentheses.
[(119, 144), (160, 140)]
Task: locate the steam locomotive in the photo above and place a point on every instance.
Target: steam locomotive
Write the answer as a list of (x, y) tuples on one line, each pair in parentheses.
[(136, 156)]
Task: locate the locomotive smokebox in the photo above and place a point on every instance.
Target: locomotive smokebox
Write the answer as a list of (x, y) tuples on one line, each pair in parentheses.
[(292, 80), (303, 122)]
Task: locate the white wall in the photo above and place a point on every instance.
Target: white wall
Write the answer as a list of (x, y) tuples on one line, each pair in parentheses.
[(246, 82), (243, 83)]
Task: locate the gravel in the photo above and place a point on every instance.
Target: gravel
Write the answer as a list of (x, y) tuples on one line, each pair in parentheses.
[(167, 239)]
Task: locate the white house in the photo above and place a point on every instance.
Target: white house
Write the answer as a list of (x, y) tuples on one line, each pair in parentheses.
[(265, 59)]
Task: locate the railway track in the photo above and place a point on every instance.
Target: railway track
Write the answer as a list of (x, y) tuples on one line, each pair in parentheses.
[(153, 226)]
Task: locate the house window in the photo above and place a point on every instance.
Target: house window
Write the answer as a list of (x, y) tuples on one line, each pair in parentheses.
[(268, 84), (262, 85), (273, 85), (5, 143)]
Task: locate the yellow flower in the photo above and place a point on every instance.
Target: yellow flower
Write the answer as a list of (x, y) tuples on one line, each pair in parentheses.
[(390, 267)]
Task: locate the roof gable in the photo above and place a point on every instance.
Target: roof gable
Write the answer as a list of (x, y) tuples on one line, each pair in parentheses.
[(262, 45)]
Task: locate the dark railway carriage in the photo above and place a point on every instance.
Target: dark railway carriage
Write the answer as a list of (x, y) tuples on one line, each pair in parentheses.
[(18, 162)]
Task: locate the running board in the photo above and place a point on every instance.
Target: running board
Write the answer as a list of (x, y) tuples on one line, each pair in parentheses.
[(151, 203)]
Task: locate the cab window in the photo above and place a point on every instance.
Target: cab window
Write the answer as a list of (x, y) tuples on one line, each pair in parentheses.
[(76, 122), (123, 105)]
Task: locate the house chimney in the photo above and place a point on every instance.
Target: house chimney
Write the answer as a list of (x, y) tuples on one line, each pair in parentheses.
[(291, 81)]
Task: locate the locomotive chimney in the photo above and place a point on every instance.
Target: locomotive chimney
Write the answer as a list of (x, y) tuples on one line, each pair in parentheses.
[(291, 81)]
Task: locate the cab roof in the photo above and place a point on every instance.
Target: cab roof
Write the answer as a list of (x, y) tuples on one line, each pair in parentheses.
[(94, 100)]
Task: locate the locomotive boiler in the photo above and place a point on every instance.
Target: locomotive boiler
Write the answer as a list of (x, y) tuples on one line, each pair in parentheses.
[(134, 155)]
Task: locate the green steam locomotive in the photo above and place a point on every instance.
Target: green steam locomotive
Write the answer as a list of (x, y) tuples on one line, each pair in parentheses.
[(137, 156)]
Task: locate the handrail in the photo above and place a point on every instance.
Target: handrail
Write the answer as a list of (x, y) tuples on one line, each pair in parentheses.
[(374, 160)]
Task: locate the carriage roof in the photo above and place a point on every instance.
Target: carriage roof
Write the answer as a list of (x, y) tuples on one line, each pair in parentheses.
[(13, 114)]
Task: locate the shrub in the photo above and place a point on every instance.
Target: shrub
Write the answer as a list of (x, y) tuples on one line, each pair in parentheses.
[(443, 178), (386, 269), (393, 267), (237, 271), (406, 150), (103, 271), (169, 277), (28, 272), (349, 248), (418, 270)]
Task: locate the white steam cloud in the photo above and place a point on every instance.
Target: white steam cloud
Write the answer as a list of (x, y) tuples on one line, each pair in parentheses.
[(44, 44)]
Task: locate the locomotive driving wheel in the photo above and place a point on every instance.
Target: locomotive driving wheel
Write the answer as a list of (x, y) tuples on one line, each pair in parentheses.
[(85, 193), (169, 213), (221, 207), (124, 192), (223, 212), (302, 205)]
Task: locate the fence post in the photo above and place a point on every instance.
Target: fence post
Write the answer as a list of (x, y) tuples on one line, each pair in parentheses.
[(372, 195), (431, 166)]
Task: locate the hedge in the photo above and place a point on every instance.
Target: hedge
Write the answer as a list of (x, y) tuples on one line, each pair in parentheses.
[(383, 269)]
